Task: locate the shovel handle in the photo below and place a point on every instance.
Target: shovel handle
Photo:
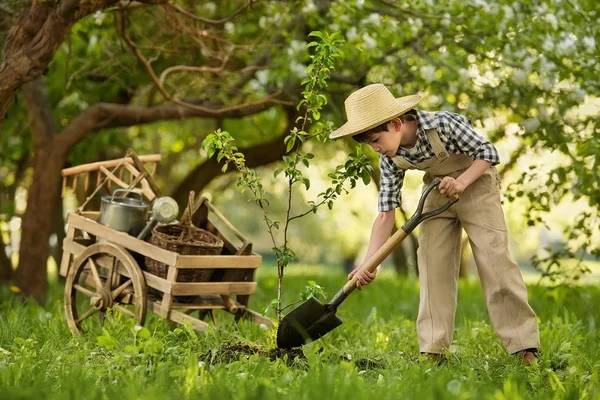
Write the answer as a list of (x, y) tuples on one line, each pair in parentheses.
[(401, 234)]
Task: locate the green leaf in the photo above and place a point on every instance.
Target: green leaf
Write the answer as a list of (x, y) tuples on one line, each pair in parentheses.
[(290, 144), (366, 178), (131, 349), (143, 333), (106, 341), (306, 183)]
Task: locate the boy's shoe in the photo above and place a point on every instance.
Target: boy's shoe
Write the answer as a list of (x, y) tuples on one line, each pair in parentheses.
[(439, 359), (528, 356)]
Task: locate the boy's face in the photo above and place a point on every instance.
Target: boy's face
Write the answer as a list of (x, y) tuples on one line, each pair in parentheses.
[(387, 142)]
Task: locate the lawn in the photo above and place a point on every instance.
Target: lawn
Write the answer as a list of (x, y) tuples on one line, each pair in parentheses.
[(374, 354)]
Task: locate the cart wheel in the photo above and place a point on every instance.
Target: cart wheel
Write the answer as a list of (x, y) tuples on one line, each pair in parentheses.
[(104, 275)]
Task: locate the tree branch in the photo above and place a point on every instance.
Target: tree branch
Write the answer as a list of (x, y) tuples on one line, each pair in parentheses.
[(195, 17), (108, 115), (161, 88), (32, 41)]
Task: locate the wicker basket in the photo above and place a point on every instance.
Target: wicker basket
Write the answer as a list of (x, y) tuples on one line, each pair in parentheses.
[(185, 240)]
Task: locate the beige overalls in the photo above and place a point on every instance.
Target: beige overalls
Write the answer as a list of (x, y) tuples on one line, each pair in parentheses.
[(479, 212)]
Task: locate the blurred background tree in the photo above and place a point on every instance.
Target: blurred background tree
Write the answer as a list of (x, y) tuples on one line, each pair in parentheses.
[(160, 76)]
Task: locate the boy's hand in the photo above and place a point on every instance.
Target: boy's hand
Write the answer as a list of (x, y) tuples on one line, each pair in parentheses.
[(364, 277), (450, 186)]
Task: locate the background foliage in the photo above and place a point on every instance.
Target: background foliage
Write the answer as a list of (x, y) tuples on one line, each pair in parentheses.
[(526, 73)]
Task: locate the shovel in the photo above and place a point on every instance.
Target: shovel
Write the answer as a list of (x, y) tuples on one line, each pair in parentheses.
[(312, 319)]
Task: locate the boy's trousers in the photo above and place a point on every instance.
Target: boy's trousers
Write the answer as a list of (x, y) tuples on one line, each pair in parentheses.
[(479, 213)]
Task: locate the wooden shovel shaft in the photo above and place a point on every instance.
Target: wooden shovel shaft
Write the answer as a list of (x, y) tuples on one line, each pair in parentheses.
[(377, 258), (397, 238)]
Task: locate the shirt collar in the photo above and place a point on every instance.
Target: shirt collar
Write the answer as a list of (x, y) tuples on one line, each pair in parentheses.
[(426, 120)]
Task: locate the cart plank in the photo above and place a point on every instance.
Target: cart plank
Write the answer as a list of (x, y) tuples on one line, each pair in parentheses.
[(202, 288), (168, 298), (214, 262), (153, 158), (72, 247), (179, 317), (123, 239), (156, 282), (67, 255), (255, 317), (93, 215)]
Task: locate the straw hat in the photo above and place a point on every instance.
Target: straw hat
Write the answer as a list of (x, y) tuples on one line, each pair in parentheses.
[(372, 106)]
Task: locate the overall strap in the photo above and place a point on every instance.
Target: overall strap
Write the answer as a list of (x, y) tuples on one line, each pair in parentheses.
[(402, 163), (436, 144)]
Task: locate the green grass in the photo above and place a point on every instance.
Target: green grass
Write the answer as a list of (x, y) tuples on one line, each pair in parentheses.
[(373, 355)]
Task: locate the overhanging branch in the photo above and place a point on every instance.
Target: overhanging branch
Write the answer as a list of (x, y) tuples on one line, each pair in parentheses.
[(158, 82), (195, 17), (108, 115)]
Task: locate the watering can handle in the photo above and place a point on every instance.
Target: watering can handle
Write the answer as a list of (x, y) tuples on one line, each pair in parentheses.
[(401, 234), (129, 192)]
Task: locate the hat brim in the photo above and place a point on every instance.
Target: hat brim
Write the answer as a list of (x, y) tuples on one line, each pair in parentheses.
[(354, 127)]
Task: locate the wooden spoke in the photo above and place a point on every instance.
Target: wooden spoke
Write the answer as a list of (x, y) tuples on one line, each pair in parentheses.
[(125, 285), (110, 274), (94, 269), (83, 290), (124, 310), (115, 293), (85, 315)]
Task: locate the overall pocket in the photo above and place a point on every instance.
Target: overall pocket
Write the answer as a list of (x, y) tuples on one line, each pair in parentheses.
[(485, 197)]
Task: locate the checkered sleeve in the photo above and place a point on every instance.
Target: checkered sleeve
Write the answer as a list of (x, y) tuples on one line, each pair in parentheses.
[(390, 183), (457, 128)]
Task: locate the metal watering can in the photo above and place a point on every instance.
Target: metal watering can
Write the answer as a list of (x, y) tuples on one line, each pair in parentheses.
[(125, 214)]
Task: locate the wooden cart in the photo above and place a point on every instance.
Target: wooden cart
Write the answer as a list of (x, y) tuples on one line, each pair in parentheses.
[(105, 269)]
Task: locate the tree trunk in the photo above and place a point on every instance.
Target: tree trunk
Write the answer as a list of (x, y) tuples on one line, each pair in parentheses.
[(400, 258), (348, 263), (42, 196), (6, 269), (58, 229)]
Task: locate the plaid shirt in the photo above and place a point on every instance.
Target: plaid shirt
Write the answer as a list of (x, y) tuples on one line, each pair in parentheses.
[(457, 135)]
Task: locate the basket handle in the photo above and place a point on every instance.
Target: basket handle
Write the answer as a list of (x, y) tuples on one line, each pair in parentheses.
[(191, 198), (188, 211)]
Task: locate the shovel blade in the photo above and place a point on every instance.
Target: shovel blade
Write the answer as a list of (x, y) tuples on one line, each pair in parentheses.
[(309, 321)]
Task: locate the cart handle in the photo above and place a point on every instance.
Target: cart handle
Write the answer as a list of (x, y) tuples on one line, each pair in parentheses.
[(225, 221)]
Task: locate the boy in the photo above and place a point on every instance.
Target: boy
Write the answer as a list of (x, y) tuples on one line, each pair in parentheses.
[(443, 144)]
